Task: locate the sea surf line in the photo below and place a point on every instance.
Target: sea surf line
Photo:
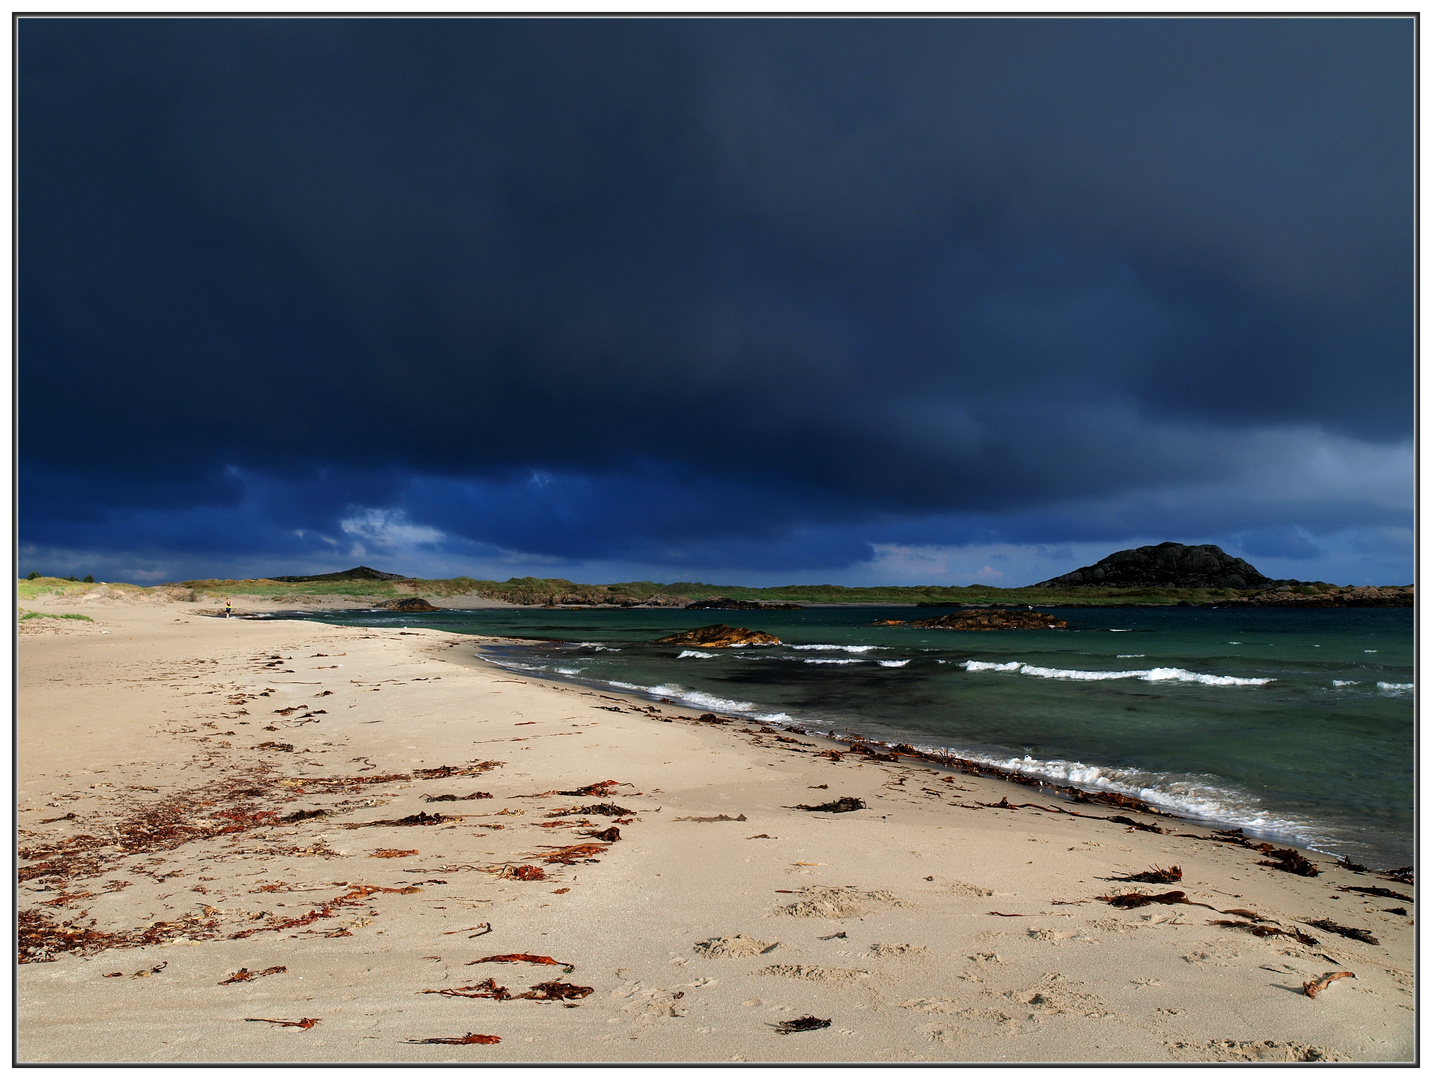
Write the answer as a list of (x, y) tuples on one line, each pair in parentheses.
[(1251, 735)]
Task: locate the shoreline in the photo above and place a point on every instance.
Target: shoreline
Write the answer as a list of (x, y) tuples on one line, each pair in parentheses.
[(851, 735), (981, 952)]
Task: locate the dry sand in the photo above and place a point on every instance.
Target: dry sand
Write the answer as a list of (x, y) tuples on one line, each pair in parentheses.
[(174, 902)]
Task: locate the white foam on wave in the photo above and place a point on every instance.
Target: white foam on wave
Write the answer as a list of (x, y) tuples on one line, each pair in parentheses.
[(597, 647), (892, 663), (694, 654), (1346, 682), (1395, 687), (700, 699), (824, 661), (1195, 795), (1112, 630), (1131, 656), (568, 670), (839, 648), (1158, 674)]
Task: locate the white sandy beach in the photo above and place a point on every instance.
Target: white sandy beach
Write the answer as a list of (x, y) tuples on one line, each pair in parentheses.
[(171, 914)]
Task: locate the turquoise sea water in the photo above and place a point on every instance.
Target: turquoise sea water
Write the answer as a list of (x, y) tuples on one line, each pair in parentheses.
[(1296, 725)]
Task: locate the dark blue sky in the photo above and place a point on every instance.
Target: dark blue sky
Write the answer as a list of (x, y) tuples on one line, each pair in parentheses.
[(747, 300)]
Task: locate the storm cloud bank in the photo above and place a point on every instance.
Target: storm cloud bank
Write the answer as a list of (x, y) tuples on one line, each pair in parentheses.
[(680, 298)]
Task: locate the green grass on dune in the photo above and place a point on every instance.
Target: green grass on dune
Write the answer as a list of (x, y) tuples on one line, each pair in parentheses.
[(24, 615), (532, 590)]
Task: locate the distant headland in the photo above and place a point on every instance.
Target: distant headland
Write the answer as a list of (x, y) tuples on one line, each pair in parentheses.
[(1161, 574)]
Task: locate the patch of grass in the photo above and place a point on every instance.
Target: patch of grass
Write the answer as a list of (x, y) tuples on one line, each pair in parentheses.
[(34, 588), (47, 615)]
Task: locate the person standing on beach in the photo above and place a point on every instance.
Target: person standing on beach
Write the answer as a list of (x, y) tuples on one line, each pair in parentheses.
[(228, 608)]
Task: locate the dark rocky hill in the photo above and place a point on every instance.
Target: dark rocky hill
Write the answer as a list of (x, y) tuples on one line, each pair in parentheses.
[(358, 573), (1167, 566)]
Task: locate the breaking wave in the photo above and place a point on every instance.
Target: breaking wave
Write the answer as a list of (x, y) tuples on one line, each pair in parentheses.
[(1158, 674), (694, 654), (839, 648), (892, 663), (1395, 687)]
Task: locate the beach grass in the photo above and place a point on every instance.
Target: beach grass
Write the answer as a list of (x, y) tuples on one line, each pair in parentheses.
[(543, 591), (24, 615)]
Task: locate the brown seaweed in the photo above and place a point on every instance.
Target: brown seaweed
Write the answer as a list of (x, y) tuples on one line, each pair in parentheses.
[(306, 1023), (1376, 890), (1315, 987), (471, 1038), (1136, 900), (555, 991), (488, 988), (844, 805), (458, 798), (802, 1023), (420, 818), (1343, 931), (610, 836), (1288, 860), (1264, 931), (523, 958), (574, 853), (598, 809), (245, 975), (1156, 876), (601, 789), (524, 873)]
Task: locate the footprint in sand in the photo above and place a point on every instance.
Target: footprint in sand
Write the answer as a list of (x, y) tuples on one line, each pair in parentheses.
[(1266, 1050), (909, 952), (1060, 937), (735, 945), (825, 902), (1217, 955), (1056, 994), (967, 891), (815, 973)]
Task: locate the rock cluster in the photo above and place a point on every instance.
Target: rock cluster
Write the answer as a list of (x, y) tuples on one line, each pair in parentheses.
[(719, 636), (1167, 566), (726, 603), (1346, 596), (992, 619), (408, 603)]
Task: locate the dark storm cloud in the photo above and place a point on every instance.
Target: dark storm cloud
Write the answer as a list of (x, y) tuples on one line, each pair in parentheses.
[(725, 280)]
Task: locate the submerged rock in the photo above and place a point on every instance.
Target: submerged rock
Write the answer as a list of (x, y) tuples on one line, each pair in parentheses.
[(726, 603), (720, 636), (992, 619), (408, 603)]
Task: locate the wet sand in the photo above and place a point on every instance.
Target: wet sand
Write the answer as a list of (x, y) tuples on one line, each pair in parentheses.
[(228, 823)]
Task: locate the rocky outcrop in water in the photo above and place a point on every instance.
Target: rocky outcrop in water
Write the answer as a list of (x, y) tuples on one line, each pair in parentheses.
[(720, 636), (1167, 566), (726, 603), (992, 619), (408, 603), (1321, 596)]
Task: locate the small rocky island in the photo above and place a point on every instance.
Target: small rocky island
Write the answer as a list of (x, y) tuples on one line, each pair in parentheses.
[(408, 603), (1167, 566), (726, 603), (985, 618), (720, 636)]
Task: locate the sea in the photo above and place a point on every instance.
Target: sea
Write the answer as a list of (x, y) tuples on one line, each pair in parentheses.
[(1297, 726)]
